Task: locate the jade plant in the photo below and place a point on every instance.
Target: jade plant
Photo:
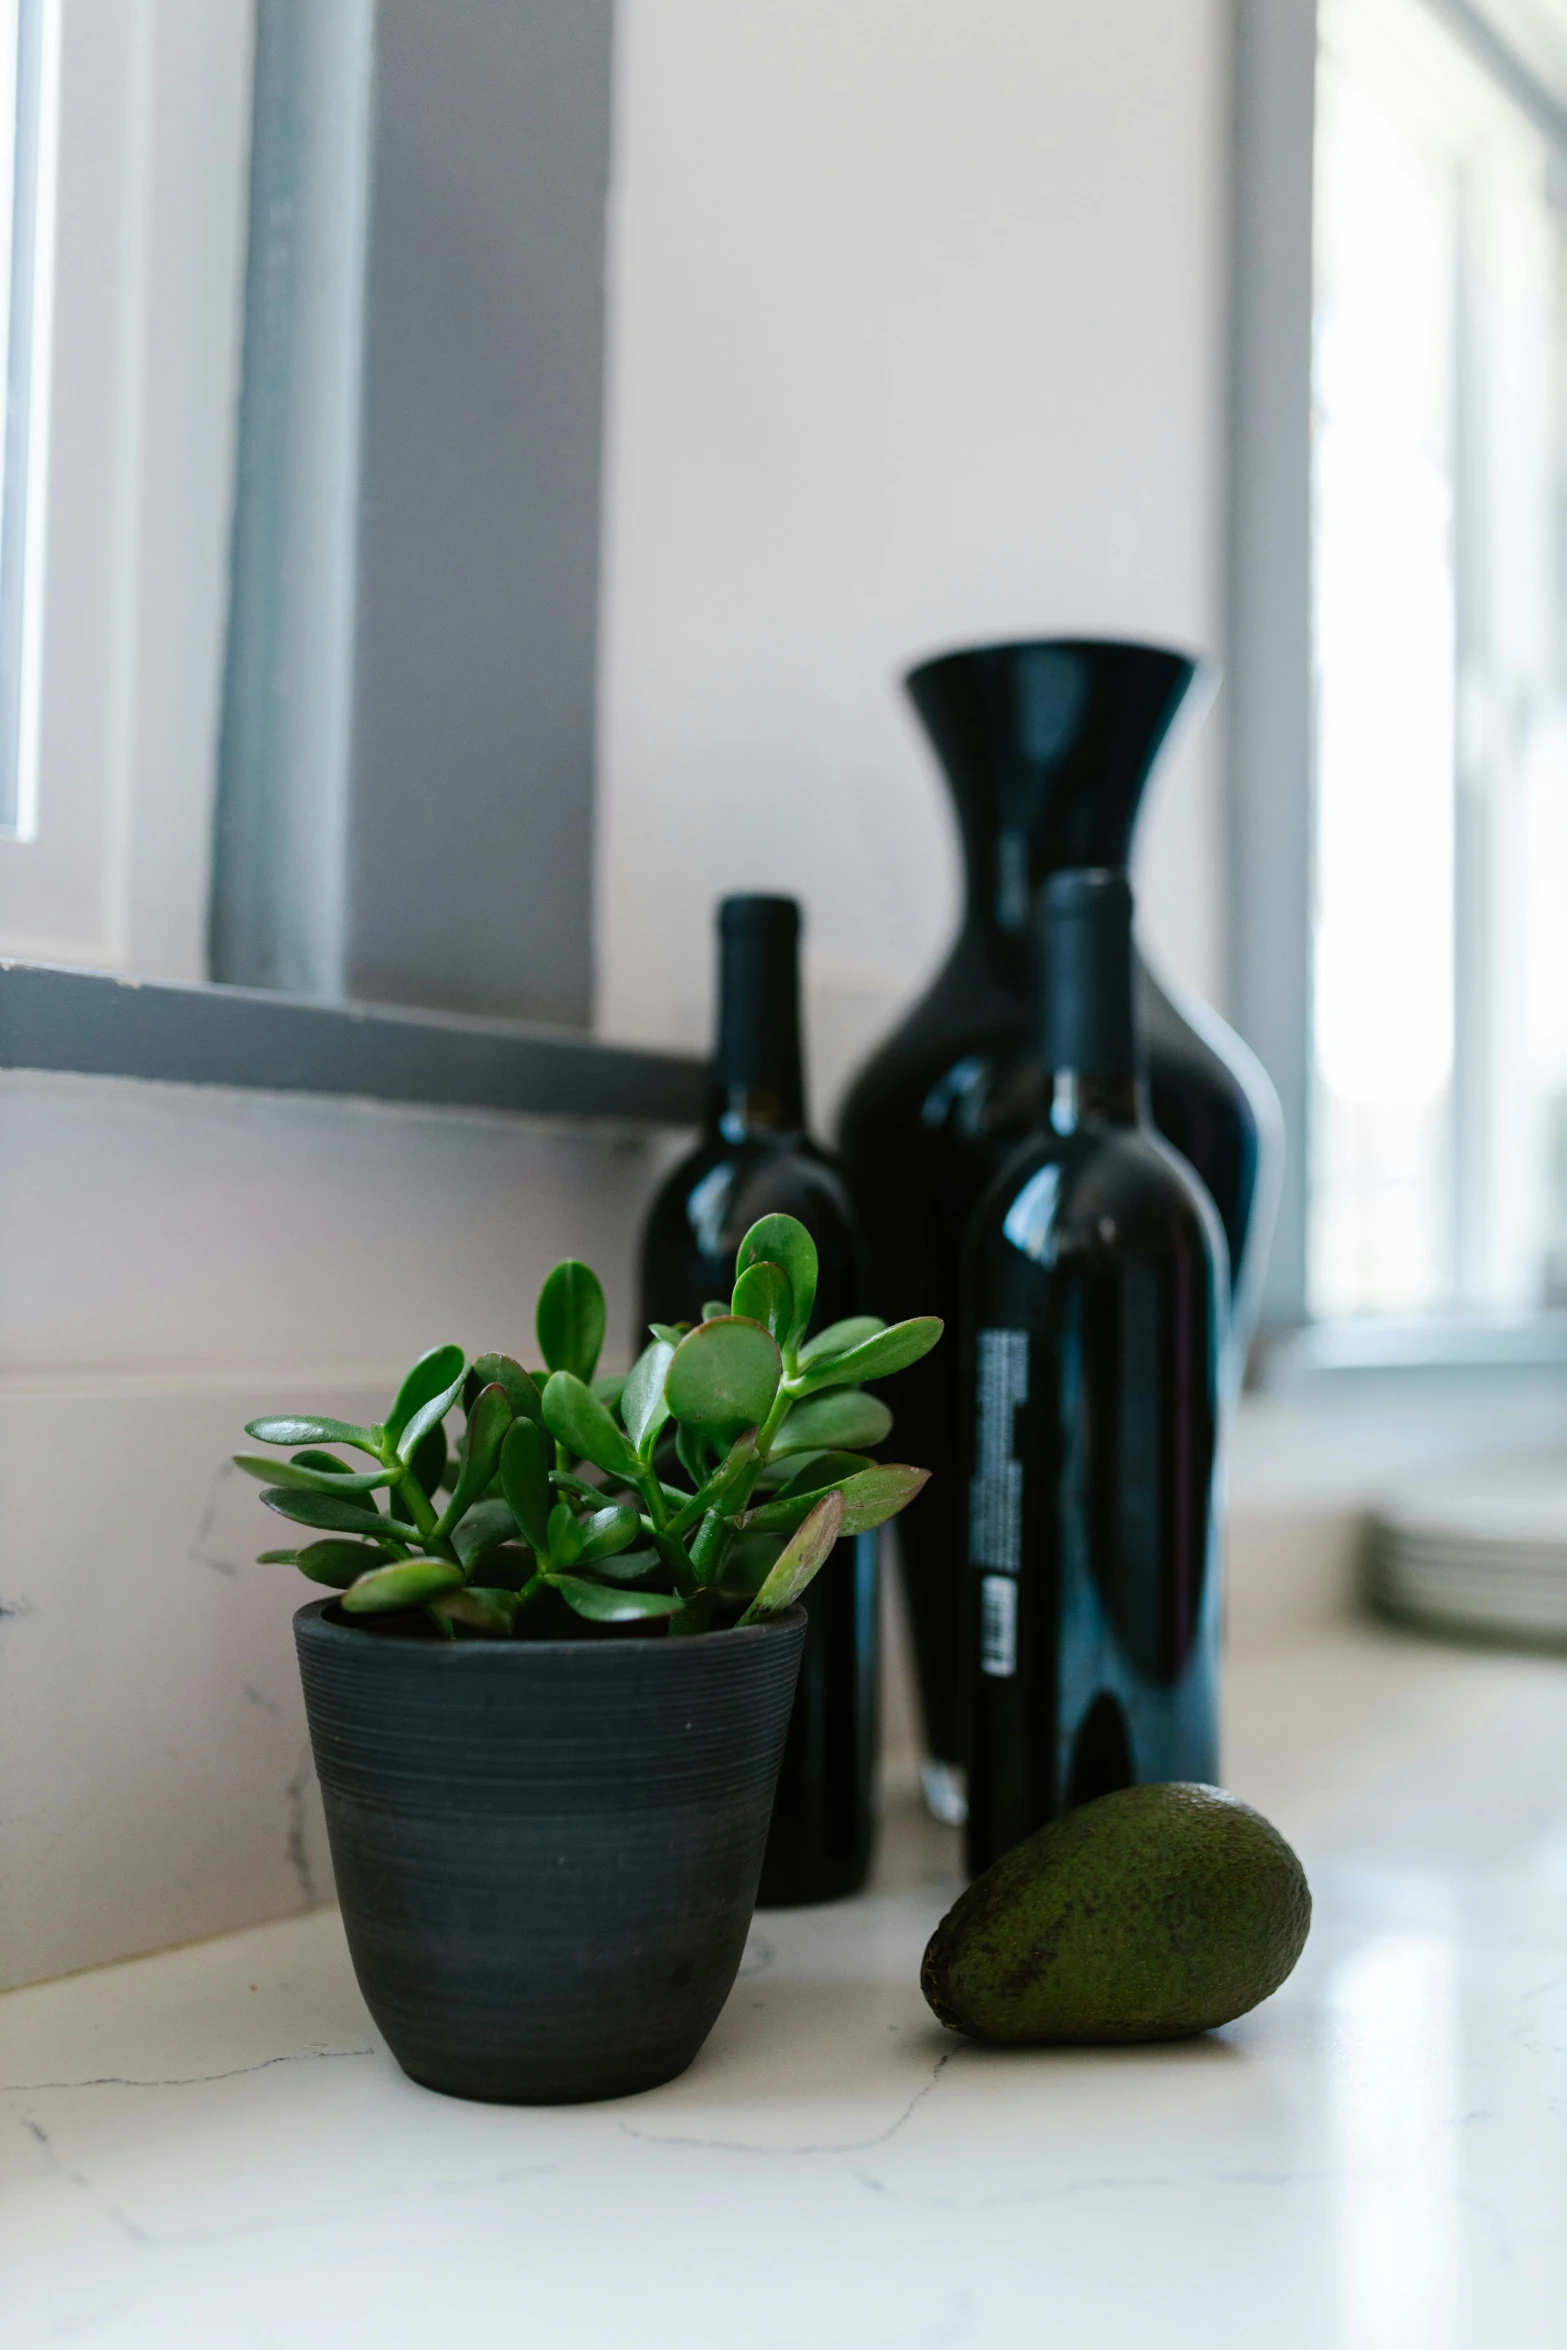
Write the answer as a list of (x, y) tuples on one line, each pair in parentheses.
[(703, 1489)]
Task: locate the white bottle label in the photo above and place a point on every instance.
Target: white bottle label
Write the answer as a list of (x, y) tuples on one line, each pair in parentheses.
[(998, 1626), (996, 1491)]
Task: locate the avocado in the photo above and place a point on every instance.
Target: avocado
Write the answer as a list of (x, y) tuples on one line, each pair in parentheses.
[(1148, 1914)]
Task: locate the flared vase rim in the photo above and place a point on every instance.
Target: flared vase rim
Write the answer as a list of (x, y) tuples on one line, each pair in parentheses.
[(1201, 668)]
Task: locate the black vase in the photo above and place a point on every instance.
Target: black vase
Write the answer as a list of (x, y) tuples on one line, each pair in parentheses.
[(1046, 747), (546, 1851)]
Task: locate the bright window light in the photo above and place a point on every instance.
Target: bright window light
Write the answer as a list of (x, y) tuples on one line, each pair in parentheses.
[(1439, 1132), (29, 51)]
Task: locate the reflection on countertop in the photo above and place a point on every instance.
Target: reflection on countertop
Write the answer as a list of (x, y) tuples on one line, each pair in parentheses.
[(211, 2148)]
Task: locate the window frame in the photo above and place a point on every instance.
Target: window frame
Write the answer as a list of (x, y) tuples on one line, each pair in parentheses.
[(1270, 728), (140, 269), (158, 101)]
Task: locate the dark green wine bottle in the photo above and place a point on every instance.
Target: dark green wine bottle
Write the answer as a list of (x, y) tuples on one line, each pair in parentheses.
[(756, 1159), (1095, 1277)]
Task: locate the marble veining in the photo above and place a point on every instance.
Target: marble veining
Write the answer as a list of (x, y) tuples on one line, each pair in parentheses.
[(210, 2148), (836, 2146)]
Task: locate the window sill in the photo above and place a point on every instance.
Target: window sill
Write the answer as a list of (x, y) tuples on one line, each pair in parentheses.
[(1428, 1342), (100, 1024)]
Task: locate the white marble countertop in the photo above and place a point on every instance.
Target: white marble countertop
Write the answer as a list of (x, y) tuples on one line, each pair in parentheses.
[(210, 2148)]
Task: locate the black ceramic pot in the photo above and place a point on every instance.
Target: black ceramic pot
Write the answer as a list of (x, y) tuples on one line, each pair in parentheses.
[(546, 1851), (1046, 747)]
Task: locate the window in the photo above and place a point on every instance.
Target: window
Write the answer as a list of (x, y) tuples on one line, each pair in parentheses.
[(124, 128), (29, 90), (1439, 1082)]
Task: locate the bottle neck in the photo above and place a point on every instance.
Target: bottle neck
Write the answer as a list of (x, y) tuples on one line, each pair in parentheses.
[(758, 1086), (1087, 1041), (1078, 1100)]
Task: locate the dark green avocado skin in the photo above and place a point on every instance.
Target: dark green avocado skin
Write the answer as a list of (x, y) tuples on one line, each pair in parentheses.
[(1149, 1914)]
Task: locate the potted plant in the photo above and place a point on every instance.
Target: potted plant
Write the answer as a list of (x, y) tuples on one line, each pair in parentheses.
[(548, 1696)]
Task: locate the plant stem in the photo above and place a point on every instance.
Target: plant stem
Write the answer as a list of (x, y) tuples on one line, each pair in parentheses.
[(657, 1524), (651, 1489), (674, 1557), (537, 1582), (775, 1418), (597, 1494), (695, 1616), (707, 1551), (421, 1511), (735, 1476)]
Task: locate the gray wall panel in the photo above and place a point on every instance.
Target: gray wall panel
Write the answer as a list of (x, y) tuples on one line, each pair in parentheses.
[(471, 829), (279, 887), (406, 770), (1268, 653)]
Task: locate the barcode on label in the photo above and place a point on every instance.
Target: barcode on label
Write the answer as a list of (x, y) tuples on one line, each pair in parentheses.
[(996, 1494), (998, 1626)]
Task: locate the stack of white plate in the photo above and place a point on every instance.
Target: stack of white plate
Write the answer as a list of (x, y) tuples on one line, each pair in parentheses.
[(1482, 1549)]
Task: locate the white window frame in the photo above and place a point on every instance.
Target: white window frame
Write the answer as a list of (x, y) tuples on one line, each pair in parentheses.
[(1268, 668), (137, 354)]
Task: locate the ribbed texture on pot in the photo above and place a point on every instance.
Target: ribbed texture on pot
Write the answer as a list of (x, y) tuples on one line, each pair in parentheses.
[(546, 1852)]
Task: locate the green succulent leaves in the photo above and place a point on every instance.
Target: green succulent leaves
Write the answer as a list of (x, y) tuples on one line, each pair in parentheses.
[(337, 1564), (570, 1484), (783, 1241), (489, 1418), (428, 1461), (562, 1537), (337, 1517), (608, 1532), (570, 1320), (408, 1584), (844, 1422), (644, 1408), (799, 1560), (876, 1356), (480, 1531), (425, 1396), (310, 1479), (763, 1294), (586, 1428), (525, 1480), (724, 1377), (871, 1495), (601, 1606), (838, 1337), (521, 1392), (479, 1609), (310, 1431)]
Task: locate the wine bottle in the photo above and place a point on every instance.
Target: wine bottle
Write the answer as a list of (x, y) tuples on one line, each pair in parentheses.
[(1095, 1275), (756, 1159)]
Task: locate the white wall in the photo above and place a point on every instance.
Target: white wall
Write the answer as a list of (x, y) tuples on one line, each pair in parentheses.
[(150, 1232), (917, 337), (173, 1261)]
